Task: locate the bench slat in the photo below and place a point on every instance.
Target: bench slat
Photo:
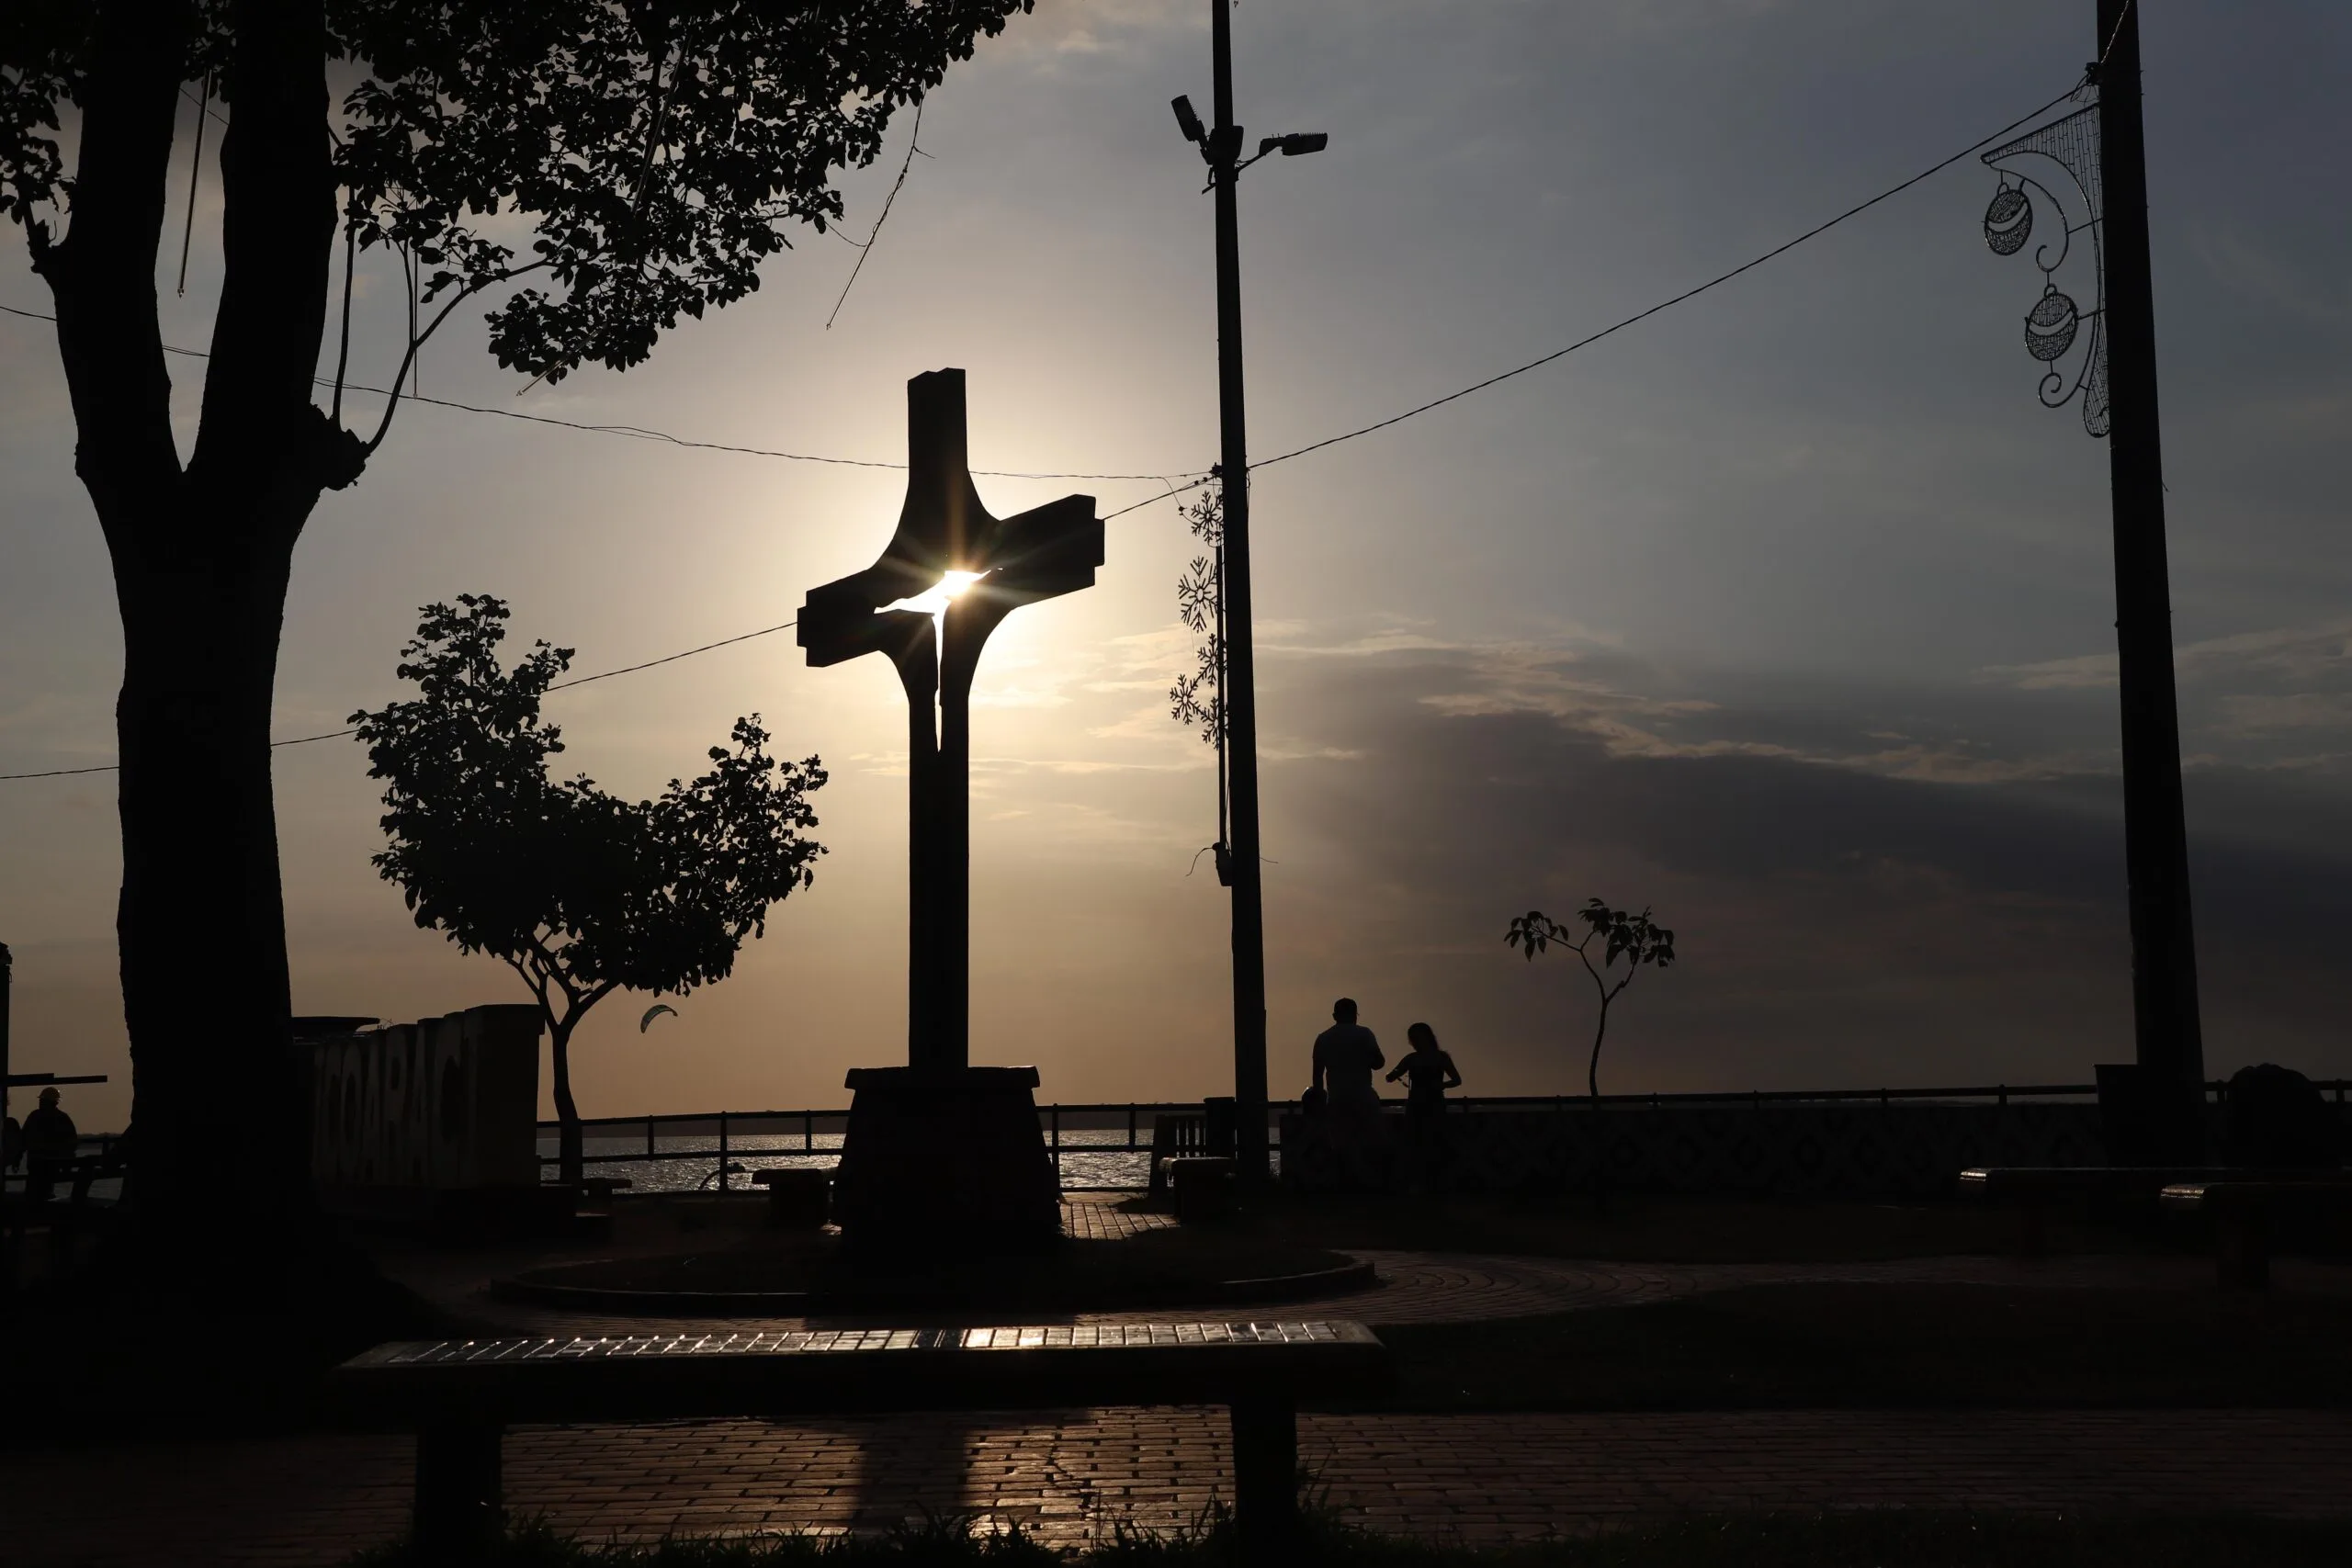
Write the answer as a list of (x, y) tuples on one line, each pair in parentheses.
[(853, 1341), (668, 1376)]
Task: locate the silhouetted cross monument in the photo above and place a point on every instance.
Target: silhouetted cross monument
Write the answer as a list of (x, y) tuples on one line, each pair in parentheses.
[(939, 1150)]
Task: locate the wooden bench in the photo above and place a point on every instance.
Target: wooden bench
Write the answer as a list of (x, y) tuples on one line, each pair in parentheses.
[(459, 1395), (2247, 1211), (2034, 1191)]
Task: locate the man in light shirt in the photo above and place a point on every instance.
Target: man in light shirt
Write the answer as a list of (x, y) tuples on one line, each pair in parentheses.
[(1346, 1055)]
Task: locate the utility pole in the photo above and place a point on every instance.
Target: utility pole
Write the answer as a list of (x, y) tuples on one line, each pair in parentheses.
[(1238, 687), (2164, 950)]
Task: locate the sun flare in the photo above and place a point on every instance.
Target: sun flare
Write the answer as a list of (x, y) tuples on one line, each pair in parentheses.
[(934, 600)]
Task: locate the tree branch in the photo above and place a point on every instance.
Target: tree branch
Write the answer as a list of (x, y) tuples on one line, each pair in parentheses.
[(552, 967), (654, 134), (277, 229), (343, 342), (102, 275), (538, 987), (1599, 983), (408, 295), (417, 340)]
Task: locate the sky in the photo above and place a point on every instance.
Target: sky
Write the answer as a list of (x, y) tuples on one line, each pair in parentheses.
[(1786, 612)]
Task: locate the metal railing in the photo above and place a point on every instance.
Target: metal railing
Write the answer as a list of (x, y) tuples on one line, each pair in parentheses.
[(1135, 1117), (726, 1126)]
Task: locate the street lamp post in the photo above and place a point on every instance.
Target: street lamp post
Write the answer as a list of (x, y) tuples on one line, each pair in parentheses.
[(1238, 699), (2156, 1104)]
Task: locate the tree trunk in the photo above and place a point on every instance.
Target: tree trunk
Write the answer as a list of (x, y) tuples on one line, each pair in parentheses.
[(201, 921), (201, 556), (1592, 1087), (570, 1148)]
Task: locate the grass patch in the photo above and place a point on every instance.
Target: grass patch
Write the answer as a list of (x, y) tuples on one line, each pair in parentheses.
[(1868, 1539), (1861, 1346)]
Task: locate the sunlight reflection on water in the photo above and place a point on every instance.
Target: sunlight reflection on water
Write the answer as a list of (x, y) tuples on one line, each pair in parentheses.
[(1082, 1165)]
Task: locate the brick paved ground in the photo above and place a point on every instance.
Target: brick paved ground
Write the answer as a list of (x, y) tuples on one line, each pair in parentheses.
[(1424, 1287), (313, 1499), (1099, 1217), (1480, 1478)]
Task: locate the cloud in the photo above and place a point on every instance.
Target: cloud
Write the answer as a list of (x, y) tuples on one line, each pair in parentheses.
[(2271, 698), (1062, 31), (1956, 900), (2273, 280)]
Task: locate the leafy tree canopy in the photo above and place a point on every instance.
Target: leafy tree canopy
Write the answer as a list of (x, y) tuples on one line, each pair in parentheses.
[(659, 150), (582, 892)]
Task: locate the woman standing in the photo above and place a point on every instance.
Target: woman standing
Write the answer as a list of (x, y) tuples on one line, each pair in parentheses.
[(1433, 1073)]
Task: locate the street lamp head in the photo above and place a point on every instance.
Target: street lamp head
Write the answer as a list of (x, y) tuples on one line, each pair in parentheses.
[(1293, 146), (1187, 121)]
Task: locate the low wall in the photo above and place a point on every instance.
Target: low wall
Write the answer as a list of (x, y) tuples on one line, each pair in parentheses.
[(1784, 1149), (444, 1106)]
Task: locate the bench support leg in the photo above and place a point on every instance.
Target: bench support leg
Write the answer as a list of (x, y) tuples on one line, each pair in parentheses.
[(1265, 1477), (459, 1487)]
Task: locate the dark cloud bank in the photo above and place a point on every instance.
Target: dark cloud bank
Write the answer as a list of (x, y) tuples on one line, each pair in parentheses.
[(1931, 897)]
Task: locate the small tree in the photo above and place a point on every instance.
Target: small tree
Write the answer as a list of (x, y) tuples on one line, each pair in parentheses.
[(1633, 938), (583, 893)]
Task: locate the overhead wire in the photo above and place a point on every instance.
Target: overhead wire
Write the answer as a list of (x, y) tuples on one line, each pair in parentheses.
[(641, 432), (634, 432), (557, 686), (195, 170), (1195, 480), (914, 145), (1687, 294)]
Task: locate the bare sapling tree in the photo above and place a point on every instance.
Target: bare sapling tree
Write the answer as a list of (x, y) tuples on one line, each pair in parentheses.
[(1635, 940), (581, 892)]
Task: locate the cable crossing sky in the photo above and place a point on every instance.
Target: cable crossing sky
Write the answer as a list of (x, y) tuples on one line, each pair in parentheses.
[(1193, 477)]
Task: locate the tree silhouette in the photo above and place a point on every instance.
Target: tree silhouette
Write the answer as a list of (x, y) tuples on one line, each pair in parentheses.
[(1633, 938), (583, 894), (656, 152)]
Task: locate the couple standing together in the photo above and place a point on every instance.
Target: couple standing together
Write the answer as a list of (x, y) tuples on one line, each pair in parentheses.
[(1346, 1055)]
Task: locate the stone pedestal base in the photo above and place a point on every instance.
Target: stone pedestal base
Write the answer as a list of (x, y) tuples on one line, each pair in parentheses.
[(945, 1162)]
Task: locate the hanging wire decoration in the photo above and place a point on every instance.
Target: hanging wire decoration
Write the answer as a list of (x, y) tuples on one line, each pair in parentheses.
[(1198, 699), (2056, 327)]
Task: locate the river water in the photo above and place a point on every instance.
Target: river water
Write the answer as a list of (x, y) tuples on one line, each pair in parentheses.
[(1084, 1162)]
